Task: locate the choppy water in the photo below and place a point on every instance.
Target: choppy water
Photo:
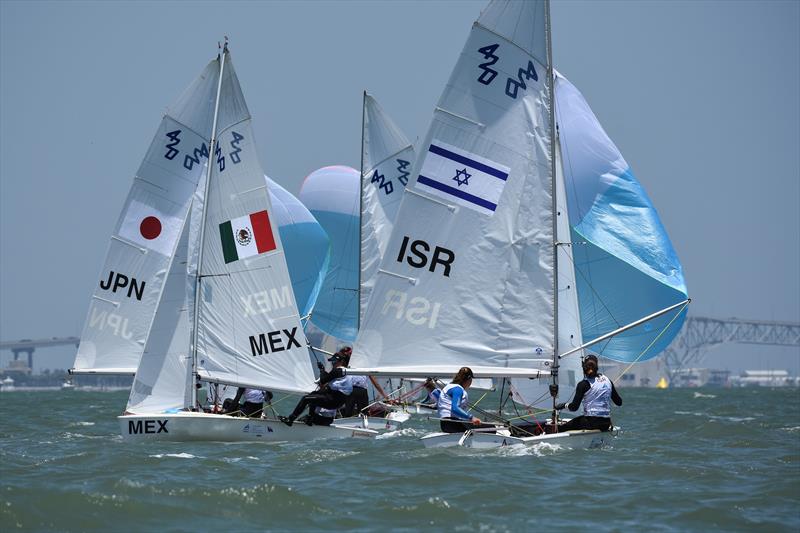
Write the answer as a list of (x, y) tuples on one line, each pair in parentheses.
[(688, 460)]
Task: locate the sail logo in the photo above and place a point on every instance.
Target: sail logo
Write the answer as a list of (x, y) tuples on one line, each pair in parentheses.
[(150, 227), (462, 177), (416, 256), (120, 281), (265, 301), (513, 85), (115, 323), (246, 236), (273, 341), (138, 427), (417, 311)]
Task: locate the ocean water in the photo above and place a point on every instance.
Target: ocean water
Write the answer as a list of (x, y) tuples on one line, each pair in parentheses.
[(687, 460)]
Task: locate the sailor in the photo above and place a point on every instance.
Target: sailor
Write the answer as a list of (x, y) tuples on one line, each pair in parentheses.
[(358, 399), (320, 417), (254, 400), (334, 387), (596, 392), (453, 400), (433, 393)]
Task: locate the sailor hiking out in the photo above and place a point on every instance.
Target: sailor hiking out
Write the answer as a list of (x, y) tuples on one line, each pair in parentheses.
[(334, 388)]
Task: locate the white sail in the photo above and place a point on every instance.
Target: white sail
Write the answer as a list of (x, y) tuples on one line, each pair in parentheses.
[(467, 278), (163, 377), (387, 156), (146, 234), (536, 392), (248, 328)]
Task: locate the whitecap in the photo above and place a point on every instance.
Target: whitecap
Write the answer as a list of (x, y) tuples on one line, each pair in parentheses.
[(701, 395), (182, 455), (405, 432)]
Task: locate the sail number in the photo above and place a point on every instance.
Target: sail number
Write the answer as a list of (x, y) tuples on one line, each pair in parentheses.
[(513, 85), (386, 185), (192, 158)]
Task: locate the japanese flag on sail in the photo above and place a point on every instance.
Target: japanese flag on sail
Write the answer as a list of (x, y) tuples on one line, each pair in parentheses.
[(462, 177), (246, 236), (148, 226)]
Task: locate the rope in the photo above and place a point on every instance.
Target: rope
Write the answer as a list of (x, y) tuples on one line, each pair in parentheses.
[(653, 342)]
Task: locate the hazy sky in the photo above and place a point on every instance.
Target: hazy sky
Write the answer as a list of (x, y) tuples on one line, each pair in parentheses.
[(702, 98)]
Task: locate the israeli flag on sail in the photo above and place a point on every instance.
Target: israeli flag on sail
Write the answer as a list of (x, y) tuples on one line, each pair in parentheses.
[(461, 177)]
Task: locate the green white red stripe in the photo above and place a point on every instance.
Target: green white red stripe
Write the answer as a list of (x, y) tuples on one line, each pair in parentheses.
[(246, 236)]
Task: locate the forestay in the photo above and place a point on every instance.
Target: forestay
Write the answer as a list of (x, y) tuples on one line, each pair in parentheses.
[(625, 265), (146, 234), (387, 157), (467, 278), (248, 328)]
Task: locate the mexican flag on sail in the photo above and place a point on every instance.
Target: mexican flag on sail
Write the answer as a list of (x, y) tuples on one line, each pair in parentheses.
[(246, 236)]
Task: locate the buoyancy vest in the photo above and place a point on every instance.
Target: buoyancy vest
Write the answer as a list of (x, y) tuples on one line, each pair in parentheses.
[(343, 384), (254, 395), (445, 404), (359, 381), (596, 401)]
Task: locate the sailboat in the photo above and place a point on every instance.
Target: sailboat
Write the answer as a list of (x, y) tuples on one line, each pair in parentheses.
[(199, 284), (480, 269)]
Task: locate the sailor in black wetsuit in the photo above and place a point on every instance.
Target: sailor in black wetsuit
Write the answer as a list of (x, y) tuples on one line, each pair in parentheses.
[(334, 388), (594, 391)]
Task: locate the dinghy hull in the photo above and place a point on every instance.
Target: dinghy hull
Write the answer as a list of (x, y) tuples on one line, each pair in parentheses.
[(192, 426), (580, 439)]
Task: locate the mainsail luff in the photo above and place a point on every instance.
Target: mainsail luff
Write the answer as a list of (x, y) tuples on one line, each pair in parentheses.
[(196, 295), (488, 299)]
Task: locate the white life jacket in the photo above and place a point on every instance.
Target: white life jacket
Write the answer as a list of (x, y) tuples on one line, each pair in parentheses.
[(254, 395), (596, 401), (445, 404), (343, 384), (359, 381)]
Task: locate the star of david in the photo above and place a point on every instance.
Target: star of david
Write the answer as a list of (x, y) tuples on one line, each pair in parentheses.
[(462, 177)]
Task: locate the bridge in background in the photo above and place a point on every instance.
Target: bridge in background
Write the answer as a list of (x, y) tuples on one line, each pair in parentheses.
[(27, 346), (700, 334)]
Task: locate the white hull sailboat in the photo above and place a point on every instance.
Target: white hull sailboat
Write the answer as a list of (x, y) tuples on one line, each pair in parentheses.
[(488, 250), (475, 438), (198, 280), (197, 426)]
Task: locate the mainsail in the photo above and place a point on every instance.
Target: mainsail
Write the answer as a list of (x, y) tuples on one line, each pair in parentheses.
[(625, 265), (248, 328), (143, 243), (468, 276), (387, 157)]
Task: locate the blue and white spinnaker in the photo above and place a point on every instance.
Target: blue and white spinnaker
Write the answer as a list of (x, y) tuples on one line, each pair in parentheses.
[(306, 246), (332, 195), (625, 266)]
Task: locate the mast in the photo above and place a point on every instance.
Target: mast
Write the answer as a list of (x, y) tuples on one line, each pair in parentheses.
[(361, 205), (554, 207), (203, 226)]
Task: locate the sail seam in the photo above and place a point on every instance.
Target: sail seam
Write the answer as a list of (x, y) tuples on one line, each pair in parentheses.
[(451, 207)]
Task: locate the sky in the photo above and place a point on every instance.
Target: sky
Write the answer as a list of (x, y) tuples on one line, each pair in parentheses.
[(702, 98)]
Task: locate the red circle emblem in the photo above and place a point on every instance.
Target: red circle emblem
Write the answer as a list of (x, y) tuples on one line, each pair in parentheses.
[(150, 228)]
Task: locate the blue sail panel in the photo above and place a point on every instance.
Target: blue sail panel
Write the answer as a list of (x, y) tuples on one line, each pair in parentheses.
[(625, 265), (332, 194), (305, 243)]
